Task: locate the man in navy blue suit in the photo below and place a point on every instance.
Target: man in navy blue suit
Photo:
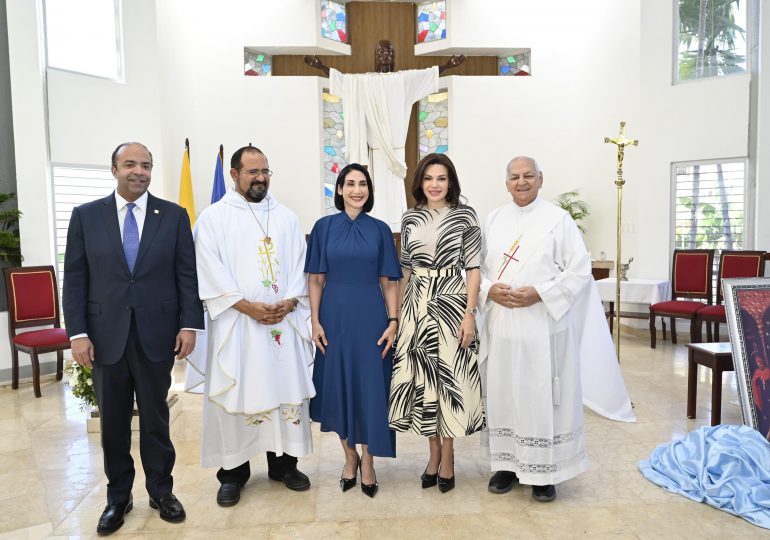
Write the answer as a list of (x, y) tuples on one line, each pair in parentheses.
[(130, 304)]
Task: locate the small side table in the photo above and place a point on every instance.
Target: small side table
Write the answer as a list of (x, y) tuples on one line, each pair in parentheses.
[(719, 358)]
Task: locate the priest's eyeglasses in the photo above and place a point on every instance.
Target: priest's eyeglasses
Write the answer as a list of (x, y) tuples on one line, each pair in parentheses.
[(264, 173)]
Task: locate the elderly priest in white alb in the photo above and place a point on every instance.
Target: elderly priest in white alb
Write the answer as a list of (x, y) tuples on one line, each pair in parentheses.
[(536, 278), (250, 254)]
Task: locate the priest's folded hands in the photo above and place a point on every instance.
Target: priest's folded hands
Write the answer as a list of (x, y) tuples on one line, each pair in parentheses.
[(265, 313), (520, 297)]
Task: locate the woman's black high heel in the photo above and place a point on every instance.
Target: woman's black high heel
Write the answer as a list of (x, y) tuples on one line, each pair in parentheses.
[(446, 484), (429, 480), (370, 490), (349, 483)]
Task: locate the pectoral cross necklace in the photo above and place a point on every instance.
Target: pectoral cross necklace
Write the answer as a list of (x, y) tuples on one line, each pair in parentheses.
[(266, 231)]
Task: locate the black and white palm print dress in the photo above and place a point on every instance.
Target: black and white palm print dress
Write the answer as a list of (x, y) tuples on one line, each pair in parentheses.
[(436, 387)]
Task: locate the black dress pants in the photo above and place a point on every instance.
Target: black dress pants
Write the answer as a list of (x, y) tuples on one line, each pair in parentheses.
[(115, 386), (276, 466)]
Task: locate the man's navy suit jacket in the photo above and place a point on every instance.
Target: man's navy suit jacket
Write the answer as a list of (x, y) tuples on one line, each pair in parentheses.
[(100, 292)]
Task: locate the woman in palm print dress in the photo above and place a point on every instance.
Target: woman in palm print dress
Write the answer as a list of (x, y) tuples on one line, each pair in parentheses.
[(436, 389)]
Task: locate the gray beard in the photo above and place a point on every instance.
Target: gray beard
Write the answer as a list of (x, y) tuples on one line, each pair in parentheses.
[(256, 194)]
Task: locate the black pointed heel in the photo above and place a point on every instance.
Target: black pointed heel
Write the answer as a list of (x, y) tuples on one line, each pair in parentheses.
[(446, 484), (370, 490), (429, 480), (349, 483)]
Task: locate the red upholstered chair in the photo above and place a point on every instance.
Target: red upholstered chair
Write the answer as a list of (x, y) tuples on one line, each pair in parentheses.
[(33, 300), (690, 278), (732, 264)]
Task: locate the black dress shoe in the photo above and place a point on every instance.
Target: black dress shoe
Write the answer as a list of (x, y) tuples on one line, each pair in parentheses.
[(446, 484), (503, 481), (229, 494), (370, 490), (170, 508), (112, 518), (292, 479), (349, 483), (544, 493), (429, 480)]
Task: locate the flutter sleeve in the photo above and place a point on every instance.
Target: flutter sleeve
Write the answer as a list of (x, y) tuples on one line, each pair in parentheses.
[(389, 264), (315, 259)]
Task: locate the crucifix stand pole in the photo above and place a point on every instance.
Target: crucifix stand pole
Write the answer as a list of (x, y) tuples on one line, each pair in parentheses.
[(621, 142)]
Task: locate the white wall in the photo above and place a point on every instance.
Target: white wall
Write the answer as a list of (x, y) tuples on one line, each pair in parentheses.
[(90, 116), (585, 80), (206, 98), (678, 124), (762, 234), (31, 147)]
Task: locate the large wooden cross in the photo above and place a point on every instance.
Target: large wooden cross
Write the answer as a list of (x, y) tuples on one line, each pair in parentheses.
[(367, 24)]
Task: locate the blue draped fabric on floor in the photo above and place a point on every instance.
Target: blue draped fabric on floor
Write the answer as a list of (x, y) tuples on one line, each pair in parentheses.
[(727, 467)]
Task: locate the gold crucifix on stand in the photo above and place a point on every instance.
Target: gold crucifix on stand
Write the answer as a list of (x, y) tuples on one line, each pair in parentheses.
[(621, 142)]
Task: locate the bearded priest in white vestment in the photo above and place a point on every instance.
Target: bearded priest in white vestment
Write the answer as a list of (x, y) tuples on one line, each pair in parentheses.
[(250, 253), (536, 276)]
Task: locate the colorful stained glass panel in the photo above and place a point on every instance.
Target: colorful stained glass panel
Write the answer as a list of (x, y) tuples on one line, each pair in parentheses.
[(333, 148), (514, 64), (431, 21), (257, 64), (333, 21), (433, 122)]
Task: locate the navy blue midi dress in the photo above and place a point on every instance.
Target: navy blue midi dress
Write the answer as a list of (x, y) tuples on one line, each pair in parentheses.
[(352, 380)]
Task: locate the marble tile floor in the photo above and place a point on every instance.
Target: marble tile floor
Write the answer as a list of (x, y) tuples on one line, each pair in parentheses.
[(52, 485)]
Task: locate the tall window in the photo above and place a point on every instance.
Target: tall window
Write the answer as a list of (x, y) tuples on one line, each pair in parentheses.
[(84, 36), (710, 204), (711, 37), (73, 186)]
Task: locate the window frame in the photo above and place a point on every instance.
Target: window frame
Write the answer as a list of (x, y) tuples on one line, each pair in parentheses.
[(119, 47), (751, 9), (749, 202)]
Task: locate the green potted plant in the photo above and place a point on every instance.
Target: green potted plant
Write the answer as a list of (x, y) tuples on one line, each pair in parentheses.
[(10, 244), (576, 207)]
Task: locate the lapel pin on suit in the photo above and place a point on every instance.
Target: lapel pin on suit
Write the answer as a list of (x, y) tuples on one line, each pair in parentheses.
[(157, 211)]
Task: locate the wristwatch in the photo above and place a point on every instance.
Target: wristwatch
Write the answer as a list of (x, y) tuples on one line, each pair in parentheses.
[(294, 303), (473, 311)]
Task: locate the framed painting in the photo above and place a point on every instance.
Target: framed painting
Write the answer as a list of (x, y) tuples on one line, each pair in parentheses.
[(747, 306)]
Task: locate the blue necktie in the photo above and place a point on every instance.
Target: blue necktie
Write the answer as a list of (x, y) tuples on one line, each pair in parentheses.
[(130, 237)]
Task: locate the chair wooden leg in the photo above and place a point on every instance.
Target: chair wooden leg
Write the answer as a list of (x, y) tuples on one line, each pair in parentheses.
[(673, 330), (59, 365), (716, 331), (696, 332), (35, 373), (14, 368), (663, 324), (708, 332), (652, 331)]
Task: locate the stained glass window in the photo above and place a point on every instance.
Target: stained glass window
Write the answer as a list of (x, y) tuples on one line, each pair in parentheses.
[(333, 21), (433, 119), (333, 148), (431, 21), (257, 64), (514, 64)]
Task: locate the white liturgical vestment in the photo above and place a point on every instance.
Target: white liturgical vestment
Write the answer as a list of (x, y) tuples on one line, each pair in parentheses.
[(531, 357), (257, 377), (377, 108)]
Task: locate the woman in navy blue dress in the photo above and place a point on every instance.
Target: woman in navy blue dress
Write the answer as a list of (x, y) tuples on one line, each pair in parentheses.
[(353, 274)]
